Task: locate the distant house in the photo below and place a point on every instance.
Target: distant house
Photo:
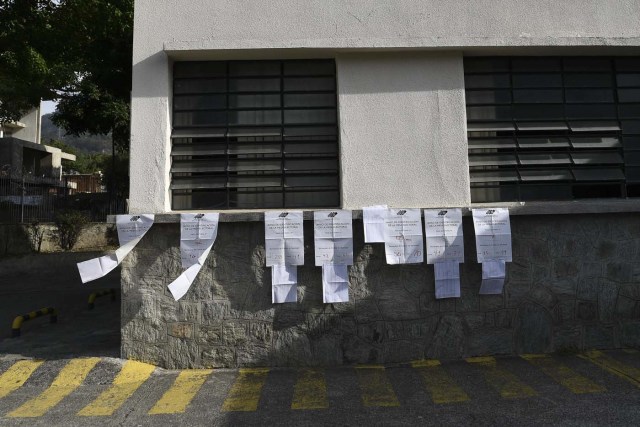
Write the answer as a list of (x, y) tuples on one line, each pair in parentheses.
[(21, 150)]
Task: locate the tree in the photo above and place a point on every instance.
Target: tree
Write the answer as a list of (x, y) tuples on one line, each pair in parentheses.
[(98, 42), (76, 51), (30, 69)]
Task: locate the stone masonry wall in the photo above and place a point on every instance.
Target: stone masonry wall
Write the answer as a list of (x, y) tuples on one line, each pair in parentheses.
[(574, 284)]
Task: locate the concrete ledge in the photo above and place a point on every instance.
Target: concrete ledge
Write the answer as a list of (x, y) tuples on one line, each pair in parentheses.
[(602, 206)]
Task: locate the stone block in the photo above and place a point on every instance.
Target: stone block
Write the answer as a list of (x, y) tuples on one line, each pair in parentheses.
[(233, 333), (587, 310), (210, 335), (155, 354), (492, 302), (256, 355), (598, 337), (367, 310), (566, 311), (589, 288), (449, 339), (504, 318), (403, 350), (215, 311), (182, 354), (625, 308), (630, 334), (490, 342), (470, 302), (356, 350), (620, 272), (474, 321), (533, 329), (606, 249), (607, 301), (542, 296), (218, 357), (631, 291), (519, 272), (539, 251), (291, 347), (397, 304), (565, 268), (181, 330), (144, 331), (564, 287), (259, 332), (567, 339)]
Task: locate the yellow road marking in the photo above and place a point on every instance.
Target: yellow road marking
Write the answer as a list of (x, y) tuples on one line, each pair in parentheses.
[(181, 393), (69, 379), (246, 391), (14, 377), (310, 391), (376, 387), (439, 384), (575, 382), (507, 384), (132, 375), (611, 365)]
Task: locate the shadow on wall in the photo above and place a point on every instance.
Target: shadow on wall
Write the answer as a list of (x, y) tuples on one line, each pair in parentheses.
[(570, 287)]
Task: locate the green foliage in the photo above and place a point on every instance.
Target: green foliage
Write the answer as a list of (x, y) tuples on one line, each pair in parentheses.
[(69, 225)]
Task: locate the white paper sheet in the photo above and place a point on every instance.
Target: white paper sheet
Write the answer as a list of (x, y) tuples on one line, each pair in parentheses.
[(403, 242), (493, 234), (198, 232), (373, 220), (493, 275), (284, 281), (284, 238), (335, 283), (333, 237), (443, 230), (131, 229), (447, 278)]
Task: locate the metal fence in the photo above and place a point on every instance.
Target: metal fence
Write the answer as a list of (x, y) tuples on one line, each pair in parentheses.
[(26, 198)]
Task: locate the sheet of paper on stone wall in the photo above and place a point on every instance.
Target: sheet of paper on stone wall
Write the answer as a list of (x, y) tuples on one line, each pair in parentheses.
[(493, 234), (335, 283), (333, 237), (447, 279), (284, 281), (198, 232), (403, 236), (493, 275), (443, 231), (373, 221), (284, 238), (131, 229)]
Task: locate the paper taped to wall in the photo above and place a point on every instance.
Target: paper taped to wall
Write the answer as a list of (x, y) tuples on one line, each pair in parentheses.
[(373, 221), (335, 283), (284, 281), (131, 229), (284, 238), (333, 237), (443, 231), (447, 278), (198, 232), (403, 236), (493, 234), (493, 275)]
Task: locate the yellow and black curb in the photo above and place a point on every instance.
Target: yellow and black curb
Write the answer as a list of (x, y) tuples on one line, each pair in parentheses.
[(17, 322), (93, 296)]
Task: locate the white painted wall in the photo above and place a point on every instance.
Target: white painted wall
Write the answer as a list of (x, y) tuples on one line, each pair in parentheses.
[(403, 130), (255, 29)]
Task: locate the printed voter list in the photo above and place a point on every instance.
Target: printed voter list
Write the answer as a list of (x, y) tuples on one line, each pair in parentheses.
[(333, 237), (403, 236), (284, 238)]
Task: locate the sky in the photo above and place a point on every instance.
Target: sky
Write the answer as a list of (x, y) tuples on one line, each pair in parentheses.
[(48, 107)]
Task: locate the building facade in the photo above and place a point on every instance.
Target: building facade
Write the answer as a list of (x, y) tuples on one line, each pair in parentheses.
[(415, 104)]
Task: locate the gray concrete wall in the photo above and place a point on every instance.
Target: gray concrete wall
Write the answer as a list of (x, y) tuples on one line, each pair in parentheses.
[(574, 284)]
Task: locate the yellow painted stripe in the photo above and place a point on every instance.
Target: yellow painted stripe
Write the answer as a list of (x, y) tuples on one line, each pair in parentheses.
[(132, 375), (442, 388), (503, 381), (246, 391), (181, 393), (69, 379), (14, 377), (310, 391), (611, 365), (561, 373), (376, 387)]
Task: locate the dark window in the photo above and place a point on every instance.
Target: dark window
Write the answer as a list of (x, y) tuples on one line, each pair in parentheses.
[(254, 134), (557, 128)]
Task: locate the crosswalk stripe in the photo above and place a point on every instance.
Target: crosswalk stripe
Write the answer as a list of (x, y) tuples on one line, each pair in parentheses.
[(310, 391), (439, 384), (14, 377), (561, 373), (376, 387), (246, 391), (69, 379), (611, 365), (181, 393), (506, 383), (132, 375)]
